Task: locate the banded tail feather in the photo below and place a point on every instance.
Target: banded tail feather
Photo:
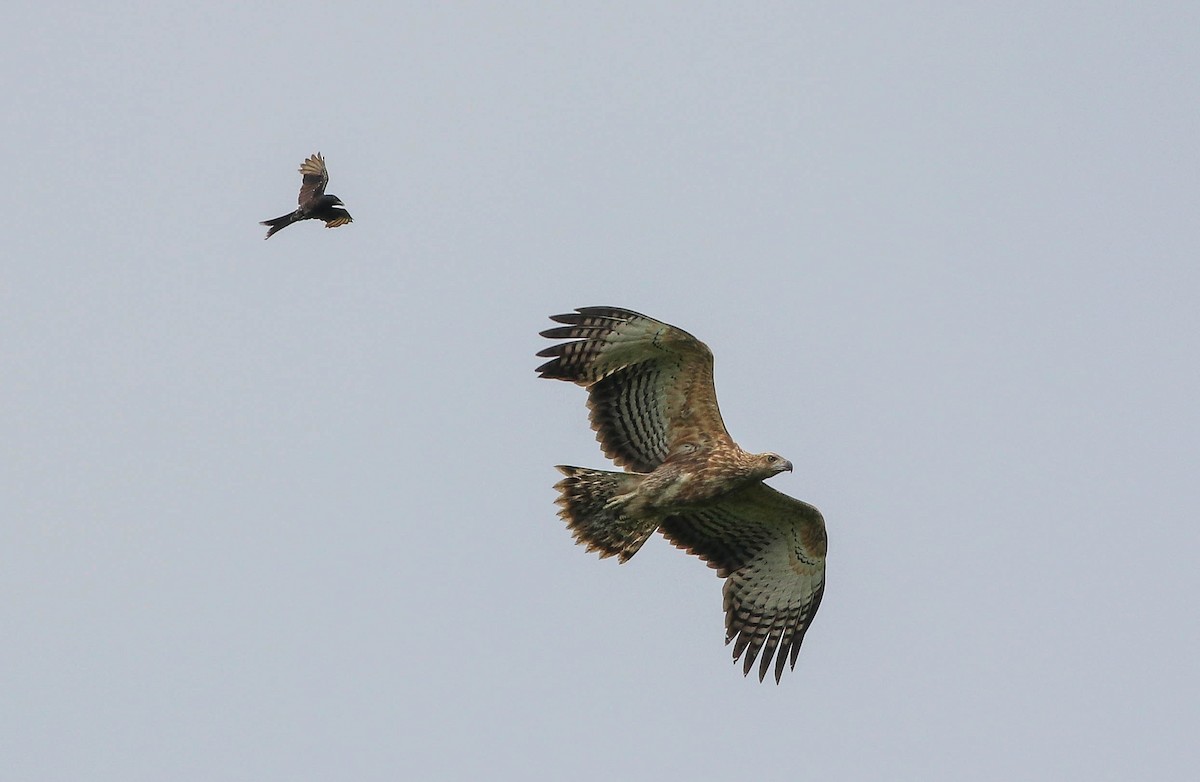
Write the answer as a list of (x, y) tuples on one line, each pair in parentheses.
[(585, 504)]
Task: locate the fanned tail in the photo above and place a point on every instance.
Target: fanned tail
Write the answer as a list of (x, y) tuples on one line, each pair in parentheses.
[(584, 505)]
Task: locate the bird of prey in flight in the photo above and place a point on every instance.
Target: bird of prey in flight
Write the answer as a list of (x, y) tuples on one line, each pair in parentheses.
[(653, 406)]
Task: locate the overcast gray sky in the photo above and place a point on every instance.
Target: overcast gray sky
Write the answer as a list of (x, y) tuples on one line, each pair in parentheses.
[(283, 510)]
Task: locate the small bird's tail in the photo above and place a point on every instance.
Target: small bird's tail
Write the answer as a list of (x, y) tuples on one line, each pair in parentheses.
[(279, 223), (584, 500)]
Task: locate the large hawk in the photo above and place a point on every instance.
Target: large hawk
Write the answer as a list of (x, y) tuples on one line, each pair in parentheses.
[(654, 408)]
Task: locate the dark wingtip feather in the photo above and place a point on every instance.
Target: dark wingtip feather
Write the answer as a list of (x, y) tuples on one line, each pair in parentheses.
[(764, 664), (612, 313), (551, 370), (560, 332), (780, 662)]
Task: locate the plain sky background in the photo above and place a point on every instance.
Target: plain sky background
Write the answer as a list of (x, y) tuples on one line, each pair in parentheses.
[(283, 510)]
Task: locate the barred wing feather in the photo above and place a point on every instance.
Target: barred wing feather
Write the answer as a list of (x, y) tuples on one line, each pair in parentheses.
[(770, 548), (650, 385)]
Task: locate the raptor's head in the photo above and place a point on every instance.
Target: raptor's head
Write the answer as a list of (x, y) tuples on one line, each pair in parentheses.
[(764, 465)]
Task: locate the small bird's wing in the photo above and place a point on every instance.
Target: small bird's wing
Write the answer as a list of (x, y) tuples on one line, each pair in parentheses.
[(650, 385), (339, 220), (315, 178), (770, 549)]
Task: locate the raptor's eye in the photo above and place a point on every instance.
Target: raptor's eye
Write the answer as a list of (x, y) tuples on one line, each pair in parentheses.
[(772, 459)]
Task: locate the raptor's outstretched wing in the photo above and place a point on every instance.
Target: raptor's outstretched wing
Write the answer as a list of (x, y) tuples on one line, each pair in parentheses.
[(770, 549), (650, 385)]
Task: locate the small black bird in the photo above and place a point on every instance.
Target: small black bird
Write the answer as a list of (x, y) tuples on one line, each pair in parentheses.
[(314, 204)]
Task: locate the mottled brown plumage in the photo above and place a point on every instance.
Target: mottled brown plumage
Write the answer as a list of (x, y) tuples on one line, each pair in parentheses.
[(654, 409)]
